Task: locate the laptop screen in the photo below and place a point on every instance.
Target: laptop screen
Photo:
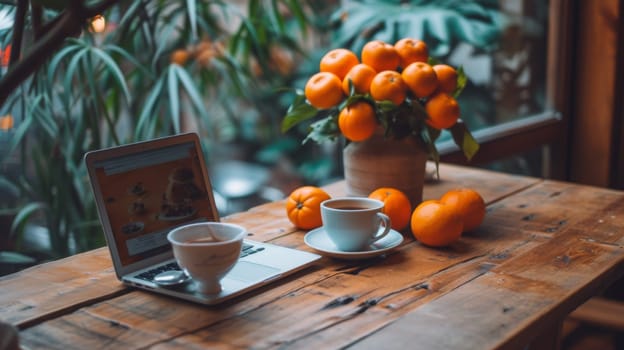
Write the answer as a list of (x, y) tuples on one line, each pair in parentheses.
[(148, 193)]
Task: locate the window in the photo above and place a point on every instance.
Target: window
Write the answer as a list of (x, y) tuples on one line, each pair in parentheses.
[(527, 91)]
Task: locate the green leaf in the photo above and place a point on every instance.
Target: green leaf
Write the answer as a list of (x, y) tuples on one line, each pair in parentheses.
[(298, 112), (323, 130), (464, 139), (161, 47), (191, 89), (276, 17), (9, 186), (442, 24), (147, 111), (462, 80), (44, 119), (114, 69), (70, 72), (14, 258), (173, 94), (299, 14), (192, 13), (386, 106), (22, 129), (23, 216), (130, 58), (58, 57)]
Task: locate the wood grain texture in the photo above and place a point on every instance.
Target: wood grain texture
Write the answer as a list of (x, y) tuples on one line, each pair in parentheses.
[(57, 287), (595, 92), (543, 249), (540, 285)]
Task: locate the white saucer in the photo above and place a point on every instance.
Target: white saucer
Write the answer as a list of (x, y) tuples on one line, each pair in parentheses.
[(318, 240)]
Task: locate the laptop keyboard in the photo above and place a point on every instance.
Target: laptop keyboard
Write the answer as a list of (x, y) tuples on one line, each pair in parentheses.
[(149, 275)]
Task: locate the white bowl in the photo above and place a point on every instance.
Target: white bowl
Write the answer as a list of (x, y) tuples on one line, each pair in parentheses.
[(207, 251)]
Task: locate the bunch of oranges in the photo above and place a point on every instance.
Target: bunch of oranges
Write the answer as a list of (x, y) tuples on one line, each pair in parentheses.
[(203, 52), (435, 223), (438, 223), (396, 73)]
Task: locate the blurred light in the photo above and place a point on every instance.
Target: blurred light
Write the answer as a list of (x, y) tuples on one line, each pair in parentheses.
[(98, 24), (6, 122)]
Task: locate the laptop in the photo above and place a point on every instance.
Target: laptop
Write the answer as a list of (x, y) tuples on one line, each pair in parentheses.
[(144, 190)]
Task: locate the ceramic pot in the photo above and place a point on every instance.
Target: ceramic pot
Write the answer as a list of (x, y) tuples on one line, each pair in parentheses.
[(385, 162)]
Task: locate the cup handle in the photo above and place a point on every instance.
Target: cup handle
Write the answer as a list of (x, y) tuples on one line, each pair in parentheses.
[(385, 220)]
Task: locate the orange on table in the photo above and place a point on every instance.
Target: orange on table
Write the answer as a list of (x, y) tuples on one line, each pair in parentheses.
[(420, 78), (324, 90), (388, 85), (396, 205), (380, 56), (357, 121), (443, 111), (411, 50), (447, 77), (361, 76), (339, 62), (469, 204), (303, 206), (436, 224)]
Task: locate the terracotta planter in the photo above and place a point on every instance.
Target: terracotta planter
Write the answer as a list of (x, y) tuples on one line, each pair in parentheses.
[(385, 162)]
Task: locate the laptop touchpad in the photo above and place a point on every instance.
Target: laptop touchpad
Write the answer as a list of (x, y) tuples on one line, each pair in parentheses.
[(246, 271)]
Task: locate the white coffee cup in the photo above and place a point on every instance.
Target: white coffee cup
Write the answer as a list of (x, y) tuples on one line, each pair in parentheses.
[(354, 223), (206, 251)]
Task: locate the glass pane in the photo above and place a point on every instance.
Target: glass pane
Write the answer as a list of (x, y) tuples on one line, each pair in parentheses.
[(507, 82)]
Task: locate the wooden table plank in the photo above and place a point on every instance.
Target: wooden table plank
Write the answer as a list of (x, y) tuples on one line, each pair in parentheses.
[(492, 186), (513, 300), (404, 289), (541, 285), (57, 287), (487, 288)]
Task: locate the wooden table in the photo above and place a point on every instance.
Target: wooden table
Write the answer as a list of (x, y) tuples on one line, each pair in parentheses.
[(544, 248)]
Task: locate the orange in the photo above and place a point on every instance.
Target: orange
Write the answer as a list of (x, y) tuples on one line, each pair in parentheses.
[(469, 204), (324, 90), (420, 78), (339, 62), (388, 85), (411, 50), (357, 121), (303, 206), (447, 77), (443, 111), (180, 57), (436, 224), (5, 56), (6, 122), (396, 205), (361, 76), (380, 56)]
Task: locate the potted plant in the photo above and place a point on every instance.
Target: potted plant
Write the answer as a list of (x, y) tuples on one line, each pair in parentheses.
[(390, 104), (155, 69)]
